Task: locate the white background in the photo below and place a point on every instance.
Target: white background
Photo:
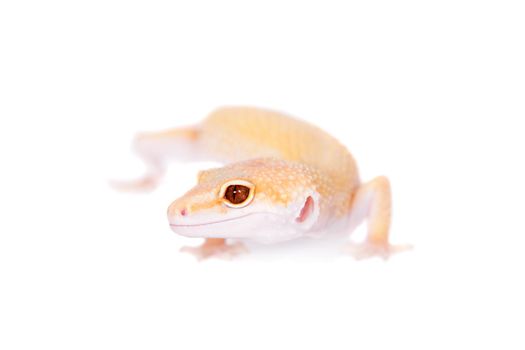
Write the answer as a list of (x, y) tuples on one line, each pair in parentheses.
[(429, 93)]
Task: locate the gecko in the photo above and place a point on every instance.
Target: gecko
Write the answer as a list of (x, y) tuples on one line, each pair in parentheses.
[(283, 178)]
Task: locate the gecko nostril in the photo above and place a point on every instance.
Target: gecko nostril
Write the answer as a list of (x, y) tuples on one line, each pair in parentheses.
[(183, 212)]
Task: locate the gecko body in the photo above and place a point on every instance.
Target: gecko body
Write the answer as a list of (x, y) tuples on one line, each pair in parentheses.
[(283, 179)]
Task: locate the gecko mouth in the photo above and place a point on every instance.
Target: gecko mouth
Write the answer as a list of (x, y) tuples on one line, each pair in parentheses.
[(215, 222), (236, 227)]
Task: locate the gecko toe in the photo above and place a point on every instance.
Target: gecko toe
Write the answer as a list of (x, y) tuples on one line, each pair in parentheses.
[(224, 252), (366, 250)]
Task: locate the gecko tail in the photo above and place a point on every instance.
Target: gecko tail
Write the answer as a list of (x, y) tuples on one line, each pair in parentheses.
[(157, 149), (179, 144)]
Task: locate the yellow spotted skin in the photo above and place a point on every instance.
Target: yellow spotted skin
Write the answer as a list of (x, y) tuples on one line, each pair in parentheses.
[(276, 180), (248, 132), (234, 134)]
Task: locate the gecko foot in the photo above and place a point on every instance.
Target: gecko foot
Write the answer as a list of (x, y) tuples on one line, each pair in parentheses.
[(215, 248), (366, 250)]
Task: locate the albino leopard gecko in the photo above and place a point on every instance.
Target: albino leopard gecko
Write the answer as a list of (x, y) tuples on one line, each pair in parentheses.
[(284, 179)]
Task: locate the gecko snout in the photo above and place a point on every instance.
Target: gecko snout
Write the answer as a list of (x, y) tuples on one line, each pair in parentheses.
[(177, 211)]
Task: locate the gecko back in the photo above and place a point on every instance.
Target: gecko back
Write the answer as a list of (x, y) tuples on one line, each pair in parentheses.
[(239, 133)]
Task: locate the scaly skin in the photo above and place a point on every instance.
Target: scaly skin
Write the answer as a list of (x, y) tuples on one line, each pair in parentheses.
[(302, 182)]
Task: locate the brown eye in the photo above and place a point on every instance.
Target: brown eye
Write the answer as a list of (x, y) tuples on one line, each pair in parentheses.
[(237, 193)]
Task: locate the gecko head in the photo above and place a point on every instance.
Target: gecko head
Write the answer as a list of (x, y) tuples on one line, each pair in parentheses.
[(262, 199)]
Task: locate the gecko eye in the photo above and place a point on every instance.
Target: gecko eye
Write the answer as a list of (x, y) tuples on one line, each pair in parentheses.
[(237, 193)]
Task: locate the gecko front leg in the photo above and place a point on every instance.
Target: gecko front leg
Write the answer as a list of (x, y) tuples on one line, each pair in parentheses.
[(372, 202), (215, 247)]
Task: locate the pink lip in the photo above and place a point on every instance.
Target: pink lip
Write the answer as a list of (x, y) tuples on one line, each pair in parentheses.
[(215, 222)]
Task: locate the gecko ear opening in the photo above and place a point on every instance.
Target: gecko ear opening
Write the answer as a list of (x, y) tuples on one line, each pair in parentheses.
[(307, 210), (309, 213)]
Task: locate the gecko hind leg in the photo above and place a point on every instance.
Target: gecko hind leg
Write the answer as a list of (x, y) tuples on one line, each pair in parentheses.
[(156, 149), (215, 247), (373, 203)]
